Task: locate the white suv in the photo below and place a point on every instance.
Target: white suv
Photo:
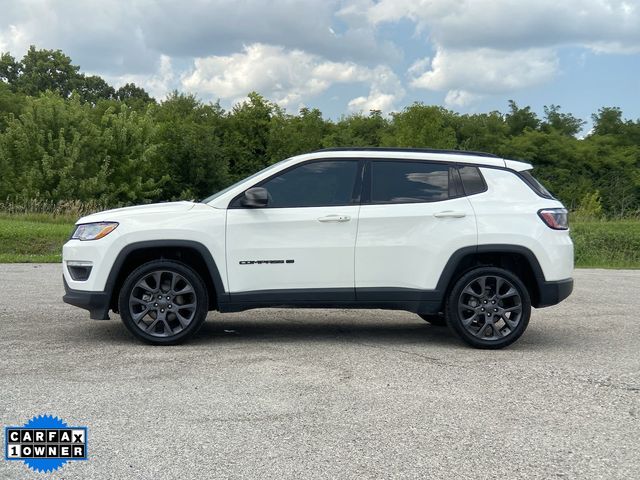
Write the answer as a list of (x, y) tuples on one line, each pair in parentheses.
[(460, 238)]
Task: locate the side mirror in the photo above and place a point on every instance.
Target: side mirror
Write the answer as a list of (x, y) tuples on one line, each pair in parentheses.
[(255, 197)]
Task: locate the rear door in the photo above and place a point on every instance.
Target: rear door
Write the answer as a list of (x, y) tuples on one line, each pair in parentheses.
[(413, 217)]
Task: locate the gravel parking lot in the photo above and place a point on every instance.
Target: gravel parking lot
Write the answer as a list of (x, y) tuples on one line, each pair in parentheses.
[(330, 394)]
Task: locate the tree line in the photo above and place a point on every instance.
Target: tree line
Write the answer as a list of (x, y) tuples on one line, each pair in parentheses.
[(68, 136)]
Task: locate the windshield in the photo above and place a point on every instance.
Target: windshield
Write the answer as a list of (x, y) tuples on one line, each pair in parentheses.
[(230, 187)]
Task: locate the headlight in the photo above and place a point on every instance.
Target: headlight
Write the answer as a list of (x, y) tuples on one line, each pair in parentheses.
[(93, 231)]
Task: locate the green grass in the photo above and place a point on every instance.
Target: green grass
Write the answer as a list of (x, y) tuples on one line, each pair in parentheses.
[(34, 237), (607, 244), (27, 238)]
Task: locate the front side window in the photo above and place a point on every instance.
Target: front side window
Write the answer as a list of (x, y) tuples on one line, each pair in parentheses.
[(407, 182), (314, 184)]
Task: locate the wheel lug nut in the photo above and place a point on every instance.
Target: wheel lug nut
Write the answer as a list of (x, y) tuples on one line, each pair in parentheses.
[(162, 310), (495, 309), (488, 314), (159, 297), (155, 304), (482, 309), (485, 301), (170, 306), (168, 297)]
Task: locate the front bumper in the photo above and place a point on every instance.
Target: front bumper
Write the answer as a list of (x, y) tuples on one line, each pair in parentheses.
[(96, 302), (552, 293)]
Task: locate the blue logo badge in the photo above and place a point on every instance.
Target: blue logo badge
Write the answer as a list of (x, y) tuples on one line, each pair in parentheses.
[(45, 443)]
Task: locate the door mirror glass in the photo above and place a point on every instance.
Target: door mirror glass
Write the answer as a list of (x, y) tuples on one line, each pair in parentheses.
[(255, 197)]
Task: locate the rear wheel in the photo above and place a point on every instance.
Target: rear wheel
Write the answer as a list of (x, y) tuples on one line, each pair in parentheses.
[(488, 307), (163, 302), (436, 319)]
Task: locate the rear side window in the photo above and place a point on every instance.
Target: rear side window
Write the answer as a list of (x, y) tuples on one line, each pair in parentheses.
[(408, 182), (472, 180), (535, 185)]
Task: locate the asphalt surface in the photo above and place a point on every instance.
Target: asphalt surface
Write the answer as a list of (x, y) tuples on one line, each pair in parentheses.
[(330, 393)]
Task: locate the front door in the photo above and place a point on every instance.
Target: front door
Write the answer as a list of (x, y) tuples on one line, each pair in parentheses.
[(304, 238)]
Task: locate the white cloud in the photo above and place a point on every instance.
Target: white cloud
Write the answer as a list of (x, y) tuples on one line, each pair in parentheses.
[(123, 37), (483, 70), (516, 24), (460, 98), (288, 77), (376, 100), (159, 84), (385, 92), (468, 75), (99, 36), (500, 46), (13, 39), (478, 47)]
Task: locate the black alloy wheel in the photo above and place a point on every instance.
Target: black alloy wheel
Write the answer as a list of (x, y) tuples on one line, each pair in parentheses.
[(163, 302), (489, 307)]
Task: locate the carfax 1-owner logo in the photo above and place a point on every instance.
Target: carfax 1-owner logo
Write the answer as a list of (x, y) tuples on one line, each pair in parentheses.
[(45, 443)]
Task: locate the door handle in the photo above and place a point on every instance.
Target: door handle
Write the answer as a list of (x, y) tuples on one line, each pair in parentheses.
[(334, 219), (450, 214)]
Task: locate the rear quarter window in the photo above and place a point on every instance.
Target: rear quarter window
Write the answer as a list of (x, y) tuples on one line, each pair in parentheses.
[(535, 185), (472, 180)]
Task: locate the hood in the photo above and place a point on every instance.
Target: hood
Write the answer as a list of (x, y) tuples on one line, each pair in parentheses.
[(153, 208)]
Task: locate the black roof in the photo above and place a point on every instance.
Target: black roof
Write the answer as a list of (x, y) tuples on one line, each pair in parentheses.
[(399, 149)]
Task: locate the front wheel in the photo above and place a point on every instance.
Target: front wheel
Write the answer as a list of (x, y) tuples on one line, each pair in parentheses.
[(163, 302), (489, 307)]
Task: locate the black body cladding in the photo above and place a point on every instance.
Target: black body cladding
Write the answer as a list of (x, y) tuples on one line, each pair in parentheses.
[(419, 301)]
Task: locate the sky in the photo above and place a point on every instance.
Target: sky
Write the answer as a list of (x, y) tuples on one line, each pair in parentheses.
[(346, 56)]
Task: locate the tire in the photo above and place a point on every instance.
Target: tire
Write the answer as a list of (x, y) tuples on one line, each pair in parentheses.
[(436, 319), (488, 307), (163, 302)]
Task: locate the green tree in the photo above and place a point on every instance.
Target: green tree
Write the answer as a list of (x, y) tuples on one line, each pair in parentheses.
[(9, 69), (246, 136), (357, 130), (55, 151), (65, 135), (520, 119), (42, 70), (564, 123), (11, 105), (51, 151), (129, 156), (608, 121), (294, 134), (590, 206), (92, 89), (189, 137), (484, 132), (134, 96), (420, 125)]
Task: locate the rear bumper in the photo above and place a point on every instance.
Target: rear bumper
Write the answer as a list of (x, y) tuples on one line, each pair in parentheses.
[(552, 293), (96, 302)]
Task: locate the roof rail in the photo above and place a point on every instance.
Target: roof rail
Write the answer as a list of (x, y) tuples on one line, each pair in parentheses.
[(402, 149)]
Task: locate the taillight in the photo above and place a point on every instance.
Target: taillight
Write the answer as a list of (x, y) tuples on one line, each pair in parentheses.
[(555, 218)]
